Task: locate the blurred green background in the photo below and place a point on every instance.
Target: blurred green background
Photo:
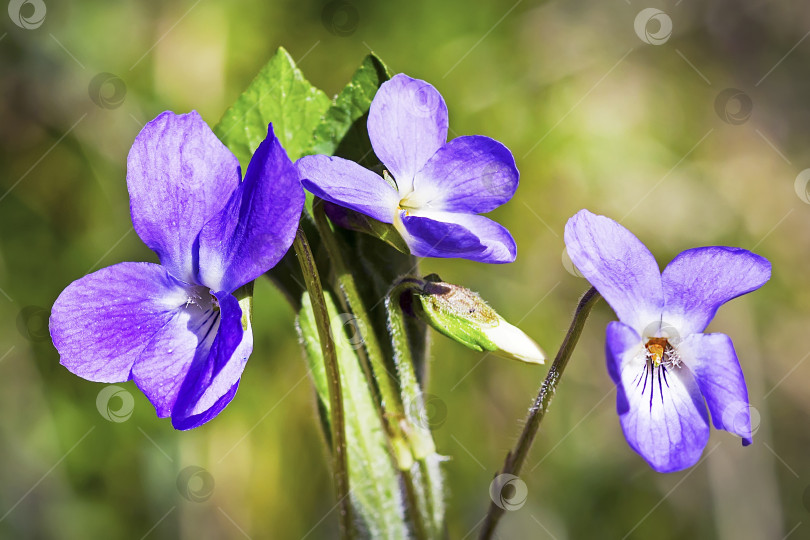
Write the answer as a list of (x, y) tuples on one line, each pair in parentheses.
[(597, 117)]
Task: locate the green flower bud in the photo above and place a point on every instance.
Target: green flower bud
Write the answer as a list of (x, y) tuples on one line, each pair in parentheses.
[(462, 315)]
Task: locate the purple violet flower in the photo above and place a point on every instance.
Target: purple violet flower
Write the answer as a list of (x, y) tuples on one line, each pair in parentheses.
[(665, 369), (176, 328), (432, 189)]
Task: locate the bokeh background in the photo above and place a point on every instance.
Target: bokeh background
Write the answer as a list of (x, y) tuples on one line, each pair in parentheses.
[(624, 112)]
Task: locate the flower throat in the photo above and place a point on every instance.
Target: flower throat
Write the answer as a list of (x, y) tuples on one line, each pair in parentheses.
[(659, 351)]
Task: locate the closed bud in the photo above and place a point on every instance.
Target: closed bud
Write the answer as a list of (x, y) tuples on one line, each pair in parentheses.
[(462, 315)]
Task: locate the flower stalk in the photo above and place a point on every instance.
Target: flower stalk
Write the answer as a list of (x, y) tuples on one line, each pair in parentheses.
[(392, 412), (517, 456), (420, 439), (430, 494), (337, 424), (392, 409)]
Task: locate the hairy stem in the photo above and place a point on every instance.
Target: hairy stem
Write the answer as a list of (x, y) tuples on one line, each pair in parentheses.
[(419, 435), (391, 401), (337, 424), (391, 411), (516, 457), (415, 423)]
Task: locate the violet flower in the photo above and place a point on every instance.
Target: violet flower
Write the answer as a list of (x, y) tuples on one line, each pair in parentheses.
[(432, 189), (665, 369), (176, 328)]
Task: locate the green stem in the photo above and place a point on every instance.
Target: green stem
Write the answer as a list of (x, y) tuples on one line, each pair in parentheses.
[(418, 435), (517, 456), (391, 401), (338, 425), (391, 411), (414, 510), (421, 441)]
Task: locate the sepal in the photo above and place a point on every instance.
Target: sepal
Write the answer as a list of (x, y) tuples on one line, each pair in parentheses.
[(355, 221)]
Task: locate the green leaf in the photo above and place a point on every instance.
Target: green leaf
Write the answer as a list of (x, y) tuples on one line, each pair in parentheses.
[(342, 131), (279, 94), (373, 479)]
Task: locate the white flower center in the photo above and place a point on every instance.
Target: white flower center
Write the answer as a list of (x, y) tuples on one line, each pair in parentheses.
[(659, 351), (201, 298)]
